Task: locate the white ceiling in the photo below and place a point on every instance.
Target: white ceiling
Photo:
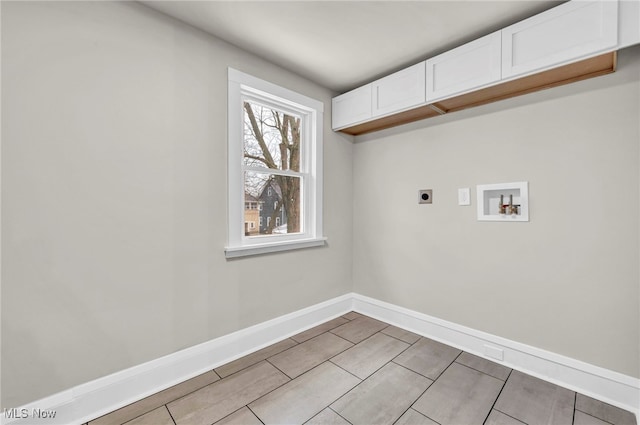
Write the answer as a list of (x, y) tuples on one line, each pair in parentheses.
[(344, 44)]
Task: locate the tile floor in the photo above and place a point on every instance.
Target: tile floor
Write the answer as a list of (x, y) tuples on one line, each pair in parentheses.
[(358, 370)]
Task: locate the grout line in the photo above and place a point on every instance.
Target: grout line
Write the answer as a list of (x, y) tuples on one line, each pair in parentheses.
[(170, 415), (282, 371), (337, 365), (573, 417), (411, 370), (329, 407), (515, 419), (253, 364), (375, 371), (504, 384), (360, 342), (215, 373), (344, 315), (328, 330), (391, 336), (479, 371), (416, 400), (408, 408), (254, 413), (445, 369), (299, 376), (199, 388), (232, 413), (344, 339), (600, 419)]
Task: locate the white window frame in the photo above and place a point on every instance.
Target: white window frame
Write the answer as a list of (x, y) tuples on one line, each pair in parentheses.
[(311, 111)]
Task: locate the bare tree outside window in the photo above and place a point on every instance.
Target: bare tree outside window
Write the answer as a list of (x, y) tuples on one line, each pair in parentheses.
[(272, 141)]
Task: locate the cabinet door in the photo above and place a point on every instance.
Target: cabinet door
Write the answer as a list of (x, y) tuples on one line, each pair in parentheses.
[(351, 108), (566, 33), (399, 91), (628, 23), (465, 68)]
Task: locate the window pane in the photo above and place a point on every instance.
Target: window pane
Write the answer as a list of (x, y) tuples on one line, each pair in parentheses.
[(279, 200), (271, 138)]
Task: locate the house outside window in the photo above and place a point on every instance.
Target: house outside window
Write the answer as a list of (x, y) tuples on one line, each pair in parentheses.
[(275, 160)]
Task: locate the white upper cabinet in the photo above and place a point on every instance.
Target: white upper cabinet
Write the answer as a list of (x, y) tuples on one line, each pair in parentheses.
[(569, 32), (399, 91), (465, 68), (628, 23), (351, 108)]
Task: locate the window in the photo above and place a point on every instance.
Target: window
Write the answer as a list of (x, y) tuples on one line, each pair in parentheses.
[(275, 145)]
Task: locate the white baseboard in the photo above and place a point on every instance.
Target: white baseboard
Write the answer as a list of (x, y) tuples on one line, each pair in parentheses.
[(93, 399), (602, 384), (96, 398)]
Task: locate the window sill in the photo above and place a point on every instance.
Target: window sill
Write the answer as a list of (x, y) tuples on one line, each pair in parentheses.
[(246, 251)]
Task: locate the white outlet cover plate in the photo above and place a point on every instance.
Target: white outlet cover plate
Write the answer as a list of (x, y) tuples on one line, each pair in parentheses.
[(464, 198)]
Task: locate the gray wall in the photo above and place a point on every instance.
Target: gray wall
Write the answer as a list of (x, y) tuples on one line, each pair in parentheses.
[(114, 165), (567, 281), (113, 181)]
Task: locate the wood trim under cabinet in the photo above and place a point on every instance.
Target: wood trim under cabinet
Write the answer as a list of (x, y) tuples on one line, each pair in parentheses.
[(577, 71), (405, 117)]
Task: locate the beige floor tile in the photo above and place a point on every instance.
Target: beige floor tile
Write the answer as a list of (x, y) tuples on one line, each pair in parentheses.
[(153, 402), (317, 330), (499, 418), (460, 396), (351, 315), (485, 366), (224, 397), (359, 329), (253, 358), (303, 357), (243, 416), (604, 411), (580, 418), (304, 397), (428, 357), (327, 417), (370, 355), (401, 334), (534, 401), (383, 397), (159, 416), (391, 359), (412, 417)]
